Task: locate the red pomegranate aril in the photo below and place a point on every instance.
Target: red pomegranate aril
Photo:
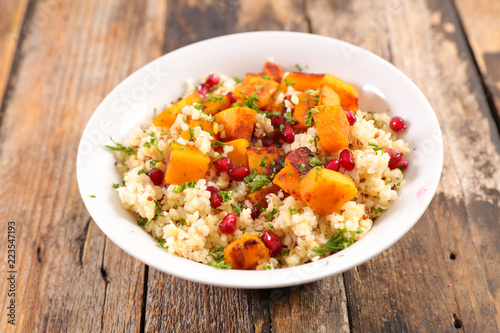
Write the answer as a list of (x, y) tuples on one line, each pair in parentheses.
[(273, 242), (268, 140), (277, 121), (212, 80), (156, 176), (215, 200), (232, 99), (223, 164), (228, 224), (350, 117), (401, 164), (212, 189), (333, 165), (238, 173), (288, 134), (255, 212), (346, 159), (395, 157), (398, 124), (202, 89)]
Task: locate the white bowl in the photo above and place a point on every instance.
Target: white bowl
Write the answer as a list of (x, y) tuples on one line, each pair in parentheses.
[(131, 104)]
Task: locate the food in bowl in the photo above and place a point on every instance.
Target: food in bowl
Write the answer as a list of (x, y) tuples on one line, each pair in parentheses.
[(272, 171)]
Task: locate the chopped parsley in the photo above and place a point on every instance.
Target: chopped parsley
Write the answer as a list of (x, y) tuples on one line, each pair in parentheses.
[(119, 147), (255, 181), (336, 242), (161, 243), (152, 163), (236, 208), (294, 210), (181, 221), (220, 264), (236, 79), (376, 147), (141, 221), (288, 118), (191, 134), (249, 102), (158, 211), (315, 161), (266, 77), (226, 196), (218, 143), (181, 187), (198, 106), (141, 172), (289, 83), (298, 67), (258, 86), (92, 196), (309, 117), (377, 211), (262, 162), (271, 214), (154, 142), (266, 267), (115, 185), (269, 227), (218, 255)]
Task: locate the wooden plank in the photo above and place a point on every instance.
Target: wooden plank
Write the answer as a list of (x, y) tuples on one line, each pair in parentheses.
[(174, 304), (70, 277), (480, 21), (11, 21), (443, 275)]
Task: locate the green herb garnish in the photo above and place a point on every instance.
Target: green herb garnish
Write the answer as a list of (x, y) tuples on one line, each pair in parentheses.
[(119, 147), (181, 187), (336, 242)]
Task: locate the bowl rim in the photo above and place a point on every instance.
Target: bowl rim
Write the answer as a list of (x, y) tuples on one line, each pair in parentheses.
[(284, 277)]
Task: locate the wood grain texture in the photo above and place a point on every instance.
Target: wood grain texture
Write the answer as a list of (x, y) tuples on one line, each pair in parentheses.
[(11, 21), (480, 21), (71, 278), (422, 288)]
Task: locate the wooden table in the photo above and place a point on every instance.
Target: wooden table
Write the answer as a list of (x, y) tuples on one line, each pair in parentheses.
[(59, 58)]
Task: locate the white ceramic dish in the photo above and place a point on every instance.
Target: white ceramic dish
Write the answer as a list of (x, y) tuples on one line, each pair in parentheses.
[(131, 104)]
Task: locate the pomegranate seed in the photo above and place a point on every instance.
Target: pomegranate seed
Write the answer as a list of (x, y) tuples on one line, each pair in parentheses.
[(350, 117), (232, 99), (398, 124), (212, 189), (212, 80), (272, 242), (215, 200), (228, 224), (255, 212), (333, 165), (288, 134), (202, 89), (238, 173), (223, 164), (156, 176), (346, 159), (395, 157), (401, 164), (277, 121), (268, 141)]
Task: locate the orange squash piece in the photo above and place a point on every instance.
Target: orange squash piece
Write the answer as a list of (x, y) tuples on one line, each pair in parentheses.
[(246, 251), (260, 195), (167, 117), (239, 154), (326, 191), (213, 104), (306, 102), (303, 81), (289, 180), (264, 159), (348, 94), (259, 86), (273, 70), (205, 125), (333, 127), (185, 164), (273, 104), (238, 123), (328, 96)]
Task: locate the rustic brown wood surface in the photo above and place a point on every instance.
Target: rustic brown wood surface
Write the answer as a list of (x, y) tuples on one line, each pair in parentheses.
[(59, 59)]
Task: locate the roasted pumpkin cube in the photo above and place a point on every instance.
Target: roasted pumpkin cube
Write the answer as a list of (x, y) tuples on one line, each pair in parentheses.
[(167, 117), (300, 159), (185, 164), (289, 180), (273, 70), (326, 191), (273, 104), (262, 88), (213, 104), (303, 81), (301, 110), (260, 195), (333, 127), (238, 123), (264, 159), (328, 96), (239, 154), (348, 94), (246, 251)]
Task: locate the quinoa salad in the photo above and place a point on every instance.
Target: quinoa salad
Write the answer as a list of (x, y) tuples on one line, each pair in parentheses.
[(272, 170)]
